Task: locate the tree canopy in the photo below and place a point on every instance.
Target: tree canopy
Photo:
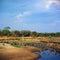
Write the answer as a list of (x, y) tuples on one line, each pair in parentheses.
[(6, 32)]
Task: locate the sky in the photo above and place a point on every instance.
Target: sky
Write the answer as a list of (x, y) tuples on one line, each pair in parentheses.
[(34, 15)]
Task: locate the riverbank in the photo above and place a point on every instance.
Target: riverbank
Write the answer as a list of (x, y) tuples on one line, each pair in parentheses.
[(19, 53), (7, 52)]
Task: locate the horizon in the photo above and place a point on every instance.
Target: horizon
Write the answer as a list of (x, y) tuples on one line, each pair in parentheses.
[(33, 15)]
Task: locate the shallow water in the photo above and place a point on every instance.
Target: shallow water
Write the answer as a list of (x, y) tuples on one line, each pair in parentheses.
[(48, 55)]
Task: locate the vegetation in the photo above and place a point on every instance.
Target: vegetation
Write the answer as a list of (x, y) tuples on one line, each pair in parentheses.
[(7, 32)]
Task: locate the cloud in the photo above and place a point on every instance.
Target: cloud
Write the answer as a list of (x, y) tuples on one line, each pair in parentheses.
[(37, 6), (26, 13), (45, 5), (22, 15), (51, 2)]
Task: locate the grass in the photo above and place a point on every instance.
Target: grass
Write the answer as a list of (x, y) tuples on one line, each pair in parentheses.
[(31, 39), (25, 41), (18, 53), (18, 46), (21, 52)]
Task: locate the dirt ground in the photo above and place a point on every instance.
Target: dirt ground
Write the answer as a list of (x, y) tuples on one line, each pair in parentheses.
[(18, 53)]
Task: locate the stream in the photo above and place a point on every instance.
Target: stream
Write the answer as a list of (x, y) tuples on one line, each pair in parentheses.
[(48, 55)]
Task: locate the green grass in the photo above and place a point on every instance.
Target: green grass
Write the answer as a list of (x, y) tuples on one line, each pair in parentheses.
[(19, 46), (25, 41)]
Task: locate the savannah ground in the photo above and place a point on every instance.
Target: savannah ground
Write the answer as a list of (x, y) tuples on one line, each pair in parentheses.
[(11, 52), (18, 53)]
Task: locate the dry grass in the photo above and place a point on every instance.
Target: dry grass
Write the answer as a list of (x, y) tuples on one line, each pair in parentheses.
[(31, 39)]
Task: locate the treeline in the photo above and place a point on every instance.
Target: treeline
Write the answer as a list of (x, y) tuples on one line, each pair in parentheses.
[(26, 33)]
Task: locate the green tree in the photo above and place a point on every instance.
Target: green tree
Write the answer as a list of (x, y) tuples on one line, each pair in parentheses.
[(57, 34), (6, 33), (0, 33), (26, 33), (16, 33), (34, 34)]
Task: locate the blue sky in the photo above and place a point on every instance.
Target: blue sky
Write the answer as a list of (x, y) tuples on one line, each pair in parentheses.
[(34, 15)]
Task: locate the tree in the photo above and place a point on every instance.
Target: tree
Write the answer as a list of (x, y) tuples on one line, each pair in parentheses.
[(26, 33), (0, 33), (16, 33), (40, 34), (6, 33), (34, 34), (57, 34)]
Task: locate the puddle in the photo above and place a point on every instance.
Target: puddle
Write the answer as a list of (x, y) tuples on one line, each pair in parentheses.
[(48, 55)]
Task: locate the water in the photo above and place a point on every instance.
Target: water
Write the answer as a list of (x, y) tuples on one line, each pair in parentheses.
[(48, 55)]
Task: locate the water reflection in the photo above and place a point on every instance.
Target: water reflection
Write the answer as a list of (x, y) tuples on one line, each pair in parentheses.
[(48, 55)]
